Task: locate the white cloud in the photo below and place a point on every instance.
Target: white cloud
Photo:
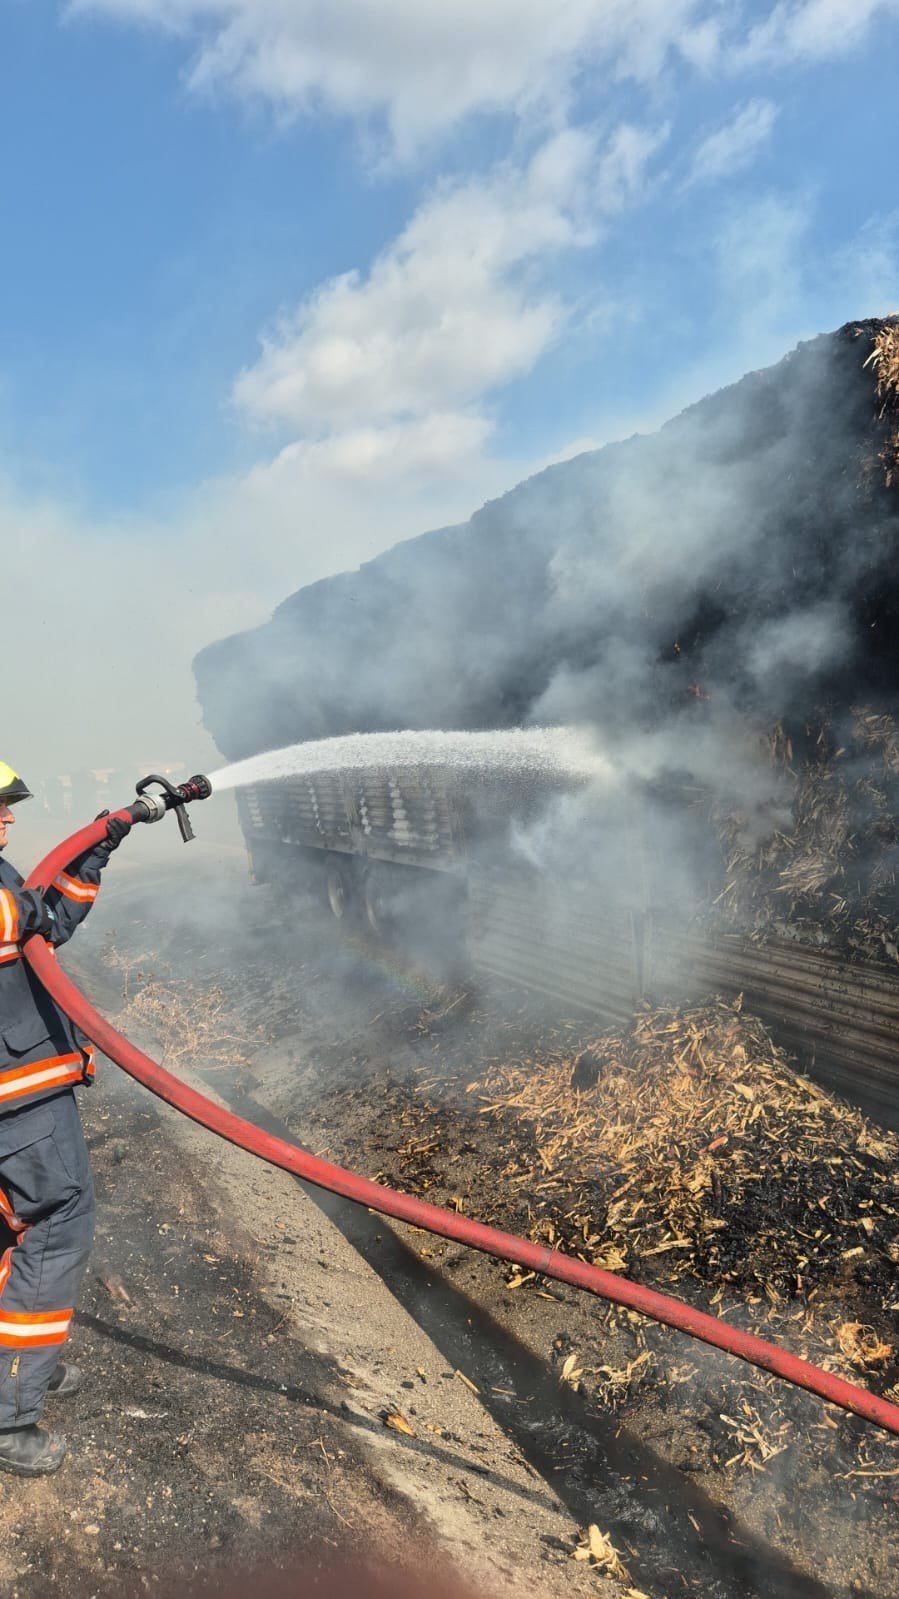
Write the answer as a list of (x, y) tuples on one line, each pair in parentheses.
[(453, 308), (623, 168), (414, 71), (420, 68), (433, 448), (437, 322), (388, 376), (812, 30), (734, 146), (701, 45)]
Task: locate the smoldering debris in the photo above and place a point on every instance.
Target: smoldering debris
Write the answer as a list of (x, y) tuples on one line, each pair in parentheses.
[(827, 874), (375, 1077), (691, 1141), (688, 1154), (884, 358), (596, 1547)]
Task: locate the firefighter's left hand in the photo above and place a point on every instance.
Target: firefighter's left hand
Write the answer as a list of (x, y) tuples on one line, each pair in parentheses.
[(116, 829)]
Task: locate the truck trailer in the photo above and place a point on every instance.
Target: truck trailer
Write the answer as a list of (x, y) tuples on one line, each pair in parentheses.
[(720, 601)]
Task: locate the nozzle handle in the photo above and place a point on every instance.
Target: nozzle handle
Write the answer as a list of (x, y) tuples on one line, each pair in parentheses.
[(187, 832), (151, 807)]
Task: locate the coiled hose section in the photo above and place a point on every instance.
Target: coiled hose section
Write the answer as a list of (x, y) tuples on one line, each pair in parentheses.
[(404, 1207)]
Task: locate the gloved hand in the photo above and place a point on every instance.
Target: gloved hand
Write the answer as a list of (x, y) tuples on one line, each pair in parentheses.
[(116, 829), (41, 919)]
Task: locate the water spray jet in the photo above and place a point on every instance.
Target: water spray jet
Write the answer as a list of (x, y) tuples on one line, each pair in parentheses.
[(560, 753)]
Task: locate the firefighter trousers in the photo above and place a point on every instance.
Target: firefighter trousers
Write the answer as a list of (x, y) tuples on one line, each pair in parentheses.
[(47, 1216)]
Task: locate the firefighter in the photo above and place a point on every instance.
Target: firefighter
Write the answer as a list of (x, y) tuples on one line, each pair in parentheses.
[(46, 1195)]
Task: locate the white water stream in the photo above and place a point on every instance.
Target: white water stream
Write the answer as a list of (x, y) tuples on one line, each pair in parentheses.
[(516, 752)]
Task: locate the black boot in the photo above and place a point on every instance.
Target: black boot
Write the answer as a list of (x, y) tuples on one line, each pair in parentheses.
[(30, 1451), (66, 1380)]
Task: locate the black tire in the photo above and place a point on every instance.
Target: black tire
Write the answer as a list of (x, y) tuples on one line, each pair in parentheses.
[(376, 899), (339, 888)]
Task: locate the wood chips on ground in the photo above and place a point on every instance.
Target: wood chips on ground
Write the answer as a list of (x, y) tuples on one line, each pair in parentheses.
[(690, 1146)]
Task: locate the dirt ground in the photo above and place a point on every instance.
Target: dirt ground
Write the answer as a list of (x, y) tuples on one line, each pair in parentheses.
[(205, 1433), (277, 1377)]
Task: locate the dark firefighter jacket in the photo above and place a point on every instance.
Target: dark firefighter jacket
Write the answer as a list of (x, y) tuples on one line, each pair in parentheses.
[(41, 1051)]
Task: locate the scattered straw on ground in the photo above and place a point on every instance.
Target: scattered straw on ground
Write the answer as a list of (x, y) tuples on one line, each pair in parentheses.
[(190, 1022), (691, 1146), (689, 1153), (596, 1547)]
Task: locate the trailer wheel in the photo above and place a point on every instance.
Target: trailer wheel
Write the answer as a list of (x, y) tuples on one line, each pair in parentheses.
[(338, 889), (377, 899)]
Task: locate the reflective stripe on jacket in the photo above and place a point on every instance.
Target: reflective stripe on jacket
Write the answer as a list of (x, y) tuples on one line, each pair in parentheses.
[(41, 1051)]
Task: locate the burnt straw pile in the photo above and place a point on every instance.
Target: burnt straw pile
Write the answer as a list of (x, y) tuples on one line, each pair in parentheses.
[(690, 1146), (686, 1153)]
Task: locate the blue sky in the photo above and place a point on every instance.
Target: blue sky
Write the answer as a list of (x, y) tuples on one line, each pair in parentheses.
[(284, 281)]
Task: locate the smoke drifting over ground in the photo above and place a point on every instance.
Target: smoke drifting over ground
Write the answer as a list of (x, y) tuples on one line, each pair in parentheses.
[(682, 594)]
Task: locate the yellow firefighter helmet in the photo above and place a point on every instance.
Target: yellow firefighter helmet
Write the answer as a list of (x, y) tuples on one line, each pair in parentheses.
[(12, 789)]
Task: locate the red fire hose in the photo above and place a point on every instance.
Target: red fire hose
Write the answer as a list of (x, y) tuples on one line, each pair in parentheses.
[(418, 1212)]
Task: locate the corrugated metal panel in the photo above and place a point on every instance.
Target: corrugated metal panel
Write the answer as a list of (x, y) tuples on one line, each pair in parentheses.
[(566, 943), (299, 810), (317, 806), (842, 1021), (842, 1018), (395, 817), (403, 813)]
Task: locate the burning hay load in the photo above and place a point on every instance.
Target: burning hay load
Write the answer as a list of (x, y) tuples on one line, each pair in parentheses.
[(719, 605), (718, 602)]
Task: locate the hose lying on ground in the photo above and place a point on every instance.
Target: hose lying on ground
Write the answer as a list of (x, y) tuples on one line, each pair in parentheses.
[(404, 1207)]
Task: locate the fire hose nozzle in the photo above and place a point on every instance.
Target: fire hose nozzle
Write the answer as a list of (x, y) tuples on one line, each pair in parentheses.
[(152, 807), (196, 788)]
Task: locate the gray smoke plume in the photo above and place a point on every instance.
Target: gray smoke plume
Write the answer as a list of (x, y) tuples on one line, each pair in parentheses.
[(680, 594)]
